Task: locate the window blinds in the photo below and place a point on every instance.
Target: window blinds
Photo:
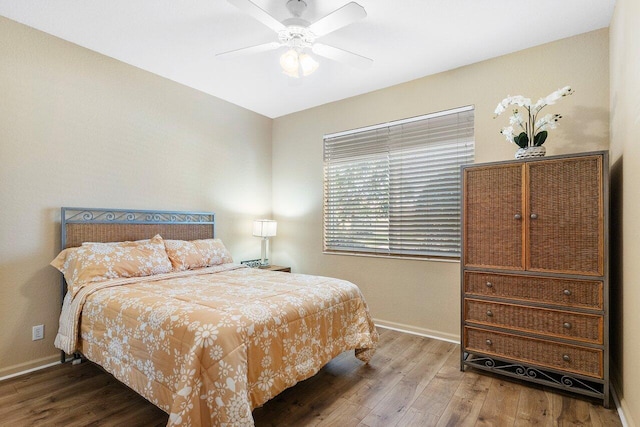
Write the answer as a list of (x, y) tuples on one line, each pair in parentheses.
[(394, 188)]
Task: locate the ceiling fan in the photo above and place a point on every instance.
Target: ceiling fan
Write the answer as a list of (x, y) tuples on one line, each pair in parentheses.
[(299, 35)]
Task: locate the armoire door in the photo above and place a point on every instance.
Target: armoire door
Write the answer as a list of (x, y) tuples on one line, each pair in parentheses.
[(493, 217), (565, 216)]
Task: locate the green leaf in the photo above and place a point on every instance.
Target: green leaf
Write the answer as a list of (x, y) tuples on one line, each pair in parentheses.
[(540, 138), (521, 140)]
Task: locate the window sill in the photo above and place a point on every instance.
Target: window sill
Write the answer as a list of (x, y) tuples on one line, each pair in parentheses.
[(408, 257)]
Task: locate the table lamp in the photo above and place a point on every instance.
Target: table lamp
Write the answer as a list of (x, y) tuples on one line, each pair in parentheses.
[(264, 228)]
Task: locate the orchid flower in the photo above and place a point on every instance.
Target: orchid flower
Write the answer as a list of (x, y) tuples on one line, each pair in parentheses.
[(534, 130)]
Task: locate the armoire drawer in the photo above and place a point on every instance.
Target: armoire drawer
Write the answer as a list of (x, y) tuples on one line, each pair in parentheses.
[(577, 326), (570, 358), (565, 292)]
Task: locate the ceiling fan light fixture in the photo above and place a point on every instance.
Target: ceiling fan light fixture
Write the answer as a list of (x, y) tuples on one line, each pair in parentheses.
[(293, 62)]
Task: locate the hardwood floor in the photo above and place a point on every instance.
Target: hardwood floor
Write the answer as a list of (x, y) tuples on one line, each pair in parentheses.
[(411, 381)]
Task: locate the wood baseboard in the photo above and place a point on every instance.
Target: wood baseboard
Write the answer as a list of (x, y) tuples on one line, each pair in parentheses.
[(26, 367), (401, 327), (621, 406)]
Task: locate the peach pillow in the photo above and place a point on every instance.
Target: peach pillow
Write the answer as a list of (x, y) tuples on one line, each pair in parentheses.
[(96, 262), (187, 255)]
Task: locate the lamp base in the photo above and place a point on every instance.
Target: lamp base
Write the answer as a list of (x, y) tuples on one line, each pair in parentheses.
[(264, 258)]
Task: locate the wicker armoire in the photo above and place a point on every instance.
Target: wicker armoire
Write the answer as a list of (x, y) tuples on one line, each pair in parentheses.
[(535, 292)]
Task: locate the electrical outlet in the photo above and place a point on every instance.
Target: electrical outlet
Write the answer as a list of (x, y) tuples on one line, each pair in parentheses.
[(37, 332)]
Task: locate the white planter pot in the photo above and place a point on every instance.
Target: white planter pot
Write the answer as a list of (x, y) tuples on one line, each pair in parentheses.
[(525, 153)]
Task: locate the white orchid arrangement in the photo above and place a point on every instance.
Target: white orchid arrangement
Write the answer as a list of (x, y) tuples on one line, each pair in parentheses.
[(534, 130)]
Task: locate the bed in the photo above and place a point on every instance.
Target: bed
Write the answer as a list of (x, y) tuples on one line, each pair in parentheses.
[(157, 301)]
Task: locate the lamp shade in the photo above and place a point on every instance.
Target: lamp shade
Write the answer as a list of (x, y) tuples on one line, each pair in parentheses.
[(264, 228), (307, 64), (290, 62)]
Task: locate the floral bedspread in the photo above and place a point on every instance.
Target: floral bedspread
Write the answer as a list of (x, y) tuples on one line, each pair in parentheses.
[(208, 346)]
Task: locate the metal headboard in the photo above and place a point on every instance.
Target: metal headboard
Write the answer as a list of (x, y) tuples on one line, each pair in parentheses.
[(80, 225)]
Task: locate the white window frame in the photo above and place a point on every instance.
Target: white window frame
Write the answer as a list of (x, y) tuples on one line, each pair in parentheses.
[(375, 179)]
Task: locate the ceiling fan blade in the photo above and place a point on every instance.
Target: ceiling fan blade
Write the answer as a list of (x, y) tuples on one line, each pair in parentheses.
[(249, 50), (342, 55), (339, 18), (258, 13)]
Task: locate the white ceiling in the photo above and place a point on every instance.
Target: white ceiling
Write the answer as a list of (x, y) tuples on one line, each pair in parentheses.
[(407, 39)]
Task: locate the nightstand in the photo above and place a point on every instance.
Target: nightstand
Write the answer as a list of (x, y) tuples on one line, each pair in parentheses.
[(277, 268)]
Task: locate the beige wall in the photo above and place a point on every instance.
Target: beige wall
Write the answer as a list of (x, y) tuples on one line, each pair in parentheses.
[(421, 295), (80, 129), (625, 160)]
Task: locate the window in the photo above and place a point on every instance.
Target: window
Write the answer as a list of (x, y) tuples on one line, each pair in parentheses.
[(394, 189)]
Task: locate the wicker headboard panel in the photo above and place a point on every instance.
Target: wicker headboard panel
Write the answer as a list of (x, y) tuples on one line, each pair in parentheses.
[(116, 225)]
